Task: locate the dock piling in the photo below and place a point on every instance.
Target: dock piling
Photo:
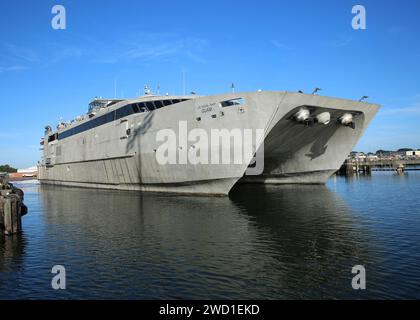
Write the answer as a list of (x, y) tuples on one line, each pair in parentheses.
[(400, 168), (11, 208), (12, 215)]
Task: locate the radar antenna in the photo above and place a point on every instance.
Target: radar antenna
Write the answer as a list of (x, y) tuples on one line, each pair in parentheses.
[(146, 90)]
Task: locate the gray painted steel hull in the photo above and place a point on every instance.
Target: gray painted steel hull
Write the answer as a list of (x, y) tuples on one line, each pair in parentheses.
[(108, 157)]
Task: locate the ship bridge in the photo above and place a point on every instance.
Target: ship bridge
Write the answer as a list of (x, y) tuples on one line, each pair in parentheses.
[(98, 104)]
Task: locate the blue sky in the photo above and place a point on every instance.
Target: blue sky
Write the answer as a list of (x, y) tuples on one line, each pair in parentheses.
[(48, 74)]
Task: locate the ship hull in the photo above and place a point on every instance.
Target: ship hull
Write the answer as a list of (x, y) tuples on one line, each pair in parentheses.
[(307, 177), (219, 187), (122, 155), (309, 154)]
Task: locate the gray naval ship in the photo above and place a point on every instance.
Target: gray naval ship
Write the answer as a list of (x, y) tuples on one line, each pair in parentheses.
[(303, 138)]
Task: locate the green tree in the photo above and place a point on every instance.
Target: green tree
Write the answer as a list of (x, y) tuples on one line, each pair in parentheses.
[(7, 168)]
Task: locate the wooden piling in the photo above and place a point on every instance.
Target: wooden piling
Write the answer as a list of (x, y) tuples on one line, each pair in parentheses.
[(347, 168), (350, 168), (11, 207), (12, 222), (400, 168)]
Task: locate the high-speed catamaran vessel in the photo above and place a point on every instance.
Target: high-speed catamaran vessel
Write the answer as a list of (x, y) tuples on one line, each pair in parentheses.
[(127, 144)]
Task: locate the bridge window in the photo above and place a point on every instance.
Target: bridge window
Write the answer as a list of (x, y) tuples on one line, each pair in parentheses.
[(142, 107), (233, 102), (124, 111), (135, 107), (158, 104), (150, 106), (115, 115), (52, 137)]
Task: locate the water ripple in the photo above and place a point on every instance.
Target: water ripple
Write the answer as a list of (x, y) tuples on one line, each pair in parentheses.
[(261, 243)]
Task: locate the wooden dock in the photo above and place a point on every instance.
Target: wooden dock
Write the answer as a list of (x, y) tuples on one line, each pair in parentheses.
[(354, 166)]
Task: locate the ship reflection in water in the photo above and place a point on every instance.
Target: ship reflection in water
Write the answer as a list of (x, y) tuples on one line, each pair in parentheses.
[(262, 242)]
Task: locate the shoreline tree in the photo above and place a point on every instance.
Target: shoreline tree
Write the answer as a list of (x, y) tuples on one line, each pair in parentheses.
[(8, 169)]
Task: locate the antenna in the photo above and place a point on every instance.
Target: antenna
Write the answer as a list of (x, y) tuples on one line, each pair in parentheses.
[(233, 87), (316, 90), (146, 90), (115, 88), (183, 82), (158, 89)]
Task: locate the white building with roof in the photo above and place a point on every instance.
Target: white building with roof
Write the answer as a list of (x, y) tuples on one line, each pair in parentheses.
[(411, 153)]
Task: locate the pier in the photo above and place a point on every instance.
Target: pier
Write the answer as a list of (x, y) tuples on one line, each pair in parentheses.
[(11, 207), (365, 166)]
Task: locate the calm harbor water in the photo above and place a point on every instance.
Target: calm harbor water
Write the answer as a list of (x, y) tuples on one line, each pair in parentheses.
[(260, 243)]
